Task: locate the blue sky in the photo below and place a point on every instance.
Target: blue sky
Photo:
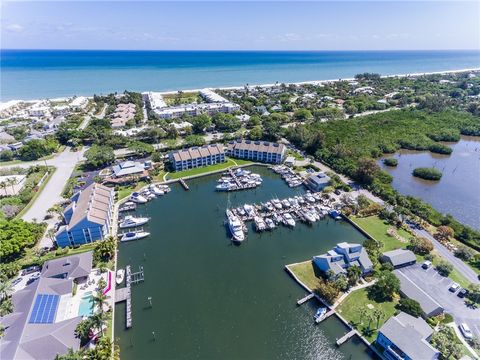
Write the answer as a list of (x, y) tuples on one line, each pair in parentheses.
[(228, 25)]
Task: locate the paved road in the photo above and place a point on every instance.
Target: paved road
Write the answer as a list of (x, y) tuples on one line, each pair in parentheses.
[(457, 263), (52, 192)]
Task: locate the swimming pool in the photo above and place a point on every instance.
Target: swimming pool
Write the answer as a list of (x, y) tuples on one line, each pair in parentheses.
[(86, 305)]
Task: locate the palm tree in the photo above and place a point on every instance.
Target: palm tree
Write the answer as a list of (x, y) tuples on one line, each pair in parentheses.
[(3, 186), (5, 289), (378, 315), (363, 312), (11, 181)]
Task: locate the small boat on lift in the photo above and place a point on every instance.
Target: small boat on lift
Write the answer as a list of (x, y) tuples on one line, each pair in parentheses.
[(319, 314), (120, 276)]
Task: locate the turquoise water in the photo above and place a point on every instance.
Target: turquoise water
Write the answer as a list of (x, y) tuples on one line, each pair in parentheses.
[(214, 300), (32, 74), (86, 305)]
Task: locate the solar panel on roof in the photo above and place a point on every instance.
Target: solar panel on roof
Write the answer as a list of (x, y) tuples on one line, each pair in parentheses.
[(44, 309)]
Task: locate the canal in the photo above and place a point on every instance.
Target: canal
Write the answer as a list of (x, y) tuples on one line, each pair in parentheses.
[(215, 300), (458, 191)]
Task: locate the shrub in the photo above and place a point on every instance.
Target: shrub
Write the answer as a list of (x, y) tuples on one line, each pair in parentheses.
[(390, 161), (427, 173), (444, 268), (464, 253), (440, 149), (421, 246), (410, 306)]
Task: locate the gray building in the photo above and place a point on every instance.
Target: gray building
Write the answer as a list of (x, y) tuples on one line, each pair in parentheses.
[(404, 337), (342, 257), (40, 326), (410, 290), (197, 156), (262, 151), (318, 181), (399, 258)]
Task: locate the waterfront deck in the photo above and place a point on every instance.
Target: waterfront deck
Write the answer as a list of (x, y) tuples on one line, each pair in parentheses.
[(305, 299), (184, 184), (346, 337)]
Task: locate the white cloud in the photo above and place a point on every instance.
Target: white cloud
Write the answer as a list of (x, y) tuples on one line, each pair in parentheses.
[(17, 28)]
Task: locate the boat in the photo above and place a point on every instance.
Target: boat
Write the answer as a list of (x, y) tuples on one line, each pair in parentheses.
[(129, 205), (155, 190), (259, 223), (131, 221), (269, 206), (309, 198), (270, 223), (120, 276), (225, 186), (285, 203), (236, 229), (276, 203), (164, 188), (335, 215), (136, 197), (249, 209), (288, 219), (277, 218), (149, 195), (129, 236), (309, 216), (319, 314)]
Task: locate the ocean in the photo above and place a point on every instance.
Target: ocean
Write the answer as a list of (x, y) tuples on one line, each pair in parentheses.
[(35, 74)]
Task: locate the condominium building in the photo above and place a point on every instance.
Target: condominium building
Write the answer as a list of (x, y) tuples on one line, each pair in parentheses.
[(262, 151), (87, 218), (197, 156)]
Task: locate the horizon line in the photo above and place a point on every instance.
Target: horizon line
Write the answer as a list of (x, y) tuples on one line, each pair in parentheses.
[(233, 50)]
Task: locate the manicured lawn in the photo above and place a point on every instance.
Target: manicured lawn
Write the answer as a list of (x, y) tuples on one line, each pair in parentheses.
[(351, 310), (243, 162), (305, 272), (127, 190), (31, 258), (201, 170), (377, 229)]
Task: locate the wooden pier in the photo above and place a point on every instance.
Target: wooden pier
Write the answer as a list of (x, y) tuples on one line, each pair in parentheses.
[(305, 299), (184, 184), (345, 337), (326, 316), (125, 294)]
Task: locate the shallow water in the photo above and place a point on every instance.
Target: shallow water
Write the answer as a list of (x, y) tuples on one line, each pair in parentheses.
[(458, 191), (214, 300)]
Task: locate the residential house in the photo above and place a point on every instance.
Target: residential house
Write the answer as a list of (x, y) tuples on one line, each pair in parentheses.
[(409, 289), (41, 325), (262, 151), (79, 103), (404, 337), (127, 168), (343, 256), (88, 217), (399, 258), (197, 156)]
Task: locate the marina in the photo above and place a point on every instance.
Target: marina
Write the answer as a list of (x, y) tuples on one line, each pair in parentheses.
[(291, 178), (238, 179), (266, 216), (196, 257)]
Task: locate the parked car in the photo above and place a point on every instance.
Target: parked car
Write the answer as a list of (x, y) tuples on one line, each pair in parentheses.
[(454, 287), (426, 264), (32, 279), (30, 270), (338, 192), (466, 332), (462, 293), (16, 281)]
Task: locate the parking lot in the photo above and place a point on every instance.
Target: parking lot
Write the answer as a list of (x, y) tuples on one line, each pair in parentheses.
[(20, 284), (436, 286)]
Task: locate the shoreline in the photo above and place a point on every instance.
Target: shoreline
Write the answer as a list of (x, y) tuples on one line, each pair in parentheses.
[(12, 102)]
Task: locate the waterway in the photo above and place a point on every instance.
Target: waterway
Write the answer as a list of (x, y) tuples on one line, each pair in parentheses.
[(458, 191), (215, 300)]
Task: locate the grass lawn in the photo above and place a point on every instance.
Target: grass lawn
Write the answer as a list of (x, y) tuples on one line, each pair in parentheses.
[(182, 98), (377, 229), (201, 170), (31, 258), (305, 272), (243, 162), (351, 310), (127, 190), (295, 154)]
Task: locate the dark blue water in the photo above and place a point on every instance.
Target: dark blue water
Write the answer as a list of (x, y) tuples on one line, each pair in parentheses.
[(30, 74)]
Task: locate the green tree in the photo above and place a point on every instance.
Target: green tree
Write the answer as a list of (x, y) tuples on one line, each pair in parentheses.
[(445, 340), (353, 274), (410, 306), (420, 245), (255, 133), (105, 249), (194, 140), (386, 286), (444, 268), (140, 148), (302, 114), (200, 123), (99, 156), (37, 148)]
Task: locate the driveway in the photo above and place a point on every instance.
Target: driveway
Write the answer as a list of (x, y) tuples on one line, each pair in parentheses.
[(436, 286), (457, 263)]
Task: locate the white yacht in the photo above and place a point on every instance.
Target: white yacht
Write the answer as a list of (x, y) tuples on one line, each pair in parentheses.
[(155, 190), (289, 219), (259, 223), (224, 186), (132, 221), (136, 197), (249, 209), (285, 203), (276, 203), (270, 224), (309, 216), (235, 226), (129, 236), (309, 198)]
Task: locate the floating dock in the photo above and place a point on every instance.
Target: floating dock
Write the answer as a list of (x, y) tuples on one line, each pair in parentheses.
[(184, 184), (345, 337), (305, 299)]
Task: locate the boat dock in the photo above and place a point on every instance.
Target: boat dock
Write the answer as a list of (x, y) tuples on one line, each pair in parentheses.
[(238, 180), (345, 337), (305, 299), (125, 294), (184, 184)]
